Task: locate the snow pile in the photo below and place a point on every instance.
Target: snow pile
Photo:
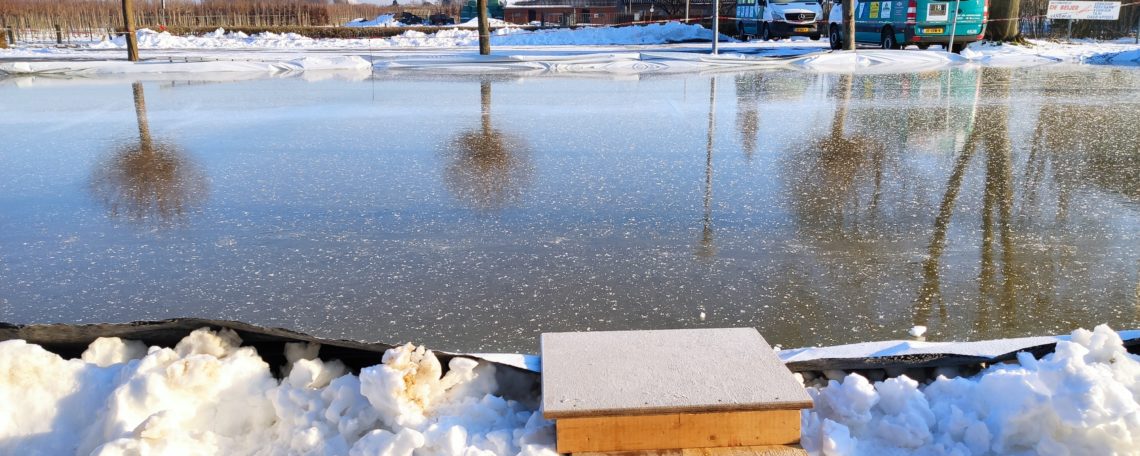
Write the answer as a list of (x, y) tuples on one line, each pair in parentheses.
[(878, 61), (1131, 57), (383, 20), (208, 395), (1120, 52), (348, 64), (491, 22), (1081, 399), (670, 32), (220, 38)]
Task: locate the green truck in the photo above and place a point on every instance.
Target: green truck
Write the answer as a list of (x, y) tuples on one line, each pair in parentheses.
[(893, 24)]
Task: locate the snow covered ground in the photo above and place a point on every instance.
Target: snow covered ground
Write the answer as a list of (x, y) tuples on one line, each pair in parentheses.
[(207, 395), (211, 395), (640, 49), (1083, 399)]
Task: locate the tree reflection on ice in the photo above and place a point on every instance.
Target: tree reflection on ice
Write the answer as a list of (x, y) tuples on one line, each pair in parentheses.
[(148, 181), (487, 168)]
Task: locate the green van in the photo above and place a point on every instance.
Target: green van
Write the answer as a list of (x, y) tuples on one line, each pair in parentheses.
[(894, 24)]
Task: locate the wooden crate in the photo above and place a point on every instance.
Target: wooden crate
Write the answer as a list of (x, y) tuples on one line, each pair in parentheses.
[(664, 390)]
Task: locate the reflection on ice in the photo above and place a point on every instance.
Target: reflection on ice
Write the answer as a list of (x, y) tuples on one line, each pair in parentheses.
[(487, 168), (819, 208), (148, 181)]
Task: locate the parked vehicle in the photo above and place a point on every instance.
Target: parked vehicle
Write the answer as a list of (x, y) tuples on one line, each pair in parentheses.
[(775, 19), (923, 22)]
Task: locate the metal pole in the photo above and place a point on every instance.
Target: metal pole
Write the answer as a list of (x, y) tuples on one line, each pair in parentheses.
[(686, 11), (1070, 30), (1138, 29), (716, 26), (954, 26), (129, 23)]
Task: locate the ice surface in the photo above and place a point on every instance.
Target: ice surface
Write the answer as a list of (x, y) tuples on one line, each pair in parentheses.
[(209, 395), (1081, 399)]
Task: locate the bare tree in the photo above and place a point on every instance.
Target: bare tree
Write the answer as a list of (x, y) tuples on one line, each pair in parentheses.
[(1004, 24)]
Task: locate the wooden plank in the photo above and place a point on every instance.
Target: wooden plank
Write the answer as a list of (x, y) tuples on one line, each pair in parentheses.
[(678, 430), (761, 450), (609, 373)]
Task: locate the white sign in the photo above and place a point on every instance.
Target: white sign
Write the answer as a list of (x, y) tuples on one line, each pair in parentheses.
[(1099, 11), (937, 12)]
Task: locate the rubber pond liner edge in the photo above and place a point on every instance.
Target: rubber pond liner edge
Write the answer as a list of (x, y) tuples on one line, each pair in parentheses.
[(70, 340)]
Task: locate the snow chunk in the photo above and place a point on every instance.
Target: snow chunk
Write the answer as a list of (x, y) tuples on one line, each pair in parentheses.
[(210, 395), (1081, 399), (106, 351)]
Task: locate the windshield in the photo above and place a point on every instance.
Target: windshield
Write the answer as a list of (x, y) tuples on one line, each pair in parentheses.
[(785, 2)]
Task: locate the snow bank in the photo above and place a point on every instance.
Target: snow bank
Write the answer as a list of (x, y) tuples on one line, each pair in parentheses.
[(672, 32), (1118, 58), (208, 395), (383, 20), (669, 32), (491, 22), (350, 64), (1119, 52), (878, 61), (220, 38), (1081, 399)]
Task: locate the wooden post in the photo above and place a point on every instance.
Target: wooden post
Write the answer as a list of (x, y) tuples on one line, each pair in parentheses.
[(58, 35), (849, 24), (3, 41), (129, 23), (11, 35), (484, 28)]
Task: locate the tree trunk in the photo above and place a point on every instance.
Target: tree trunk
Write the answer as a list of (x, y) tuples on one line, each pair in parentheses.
[(849, 25), (1004, 23), (484, 28), (129, 24)]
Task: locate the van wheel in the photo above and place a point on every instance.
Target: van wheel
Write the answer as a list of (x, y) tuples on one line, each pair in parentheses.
[(888, 39), (765, 35), (835, 38), (924, 46), (815, 37), (958, 48)]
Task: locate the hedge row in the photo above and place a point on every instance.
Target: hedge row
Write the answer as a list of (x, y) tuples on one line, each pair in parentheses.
[(320, 32)]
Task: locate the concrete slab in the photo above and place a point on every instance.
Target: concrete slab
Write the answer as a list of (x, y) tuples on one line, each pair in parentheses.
[(664, 371)]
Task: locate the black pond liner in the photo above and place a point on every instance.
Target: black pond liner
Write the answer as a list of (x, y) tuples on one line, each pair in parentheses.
[(71, 340), (924, 366)]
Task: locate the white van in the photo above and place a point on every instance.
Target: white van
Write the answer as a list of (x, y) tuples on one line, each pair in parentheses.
[(775, 19)]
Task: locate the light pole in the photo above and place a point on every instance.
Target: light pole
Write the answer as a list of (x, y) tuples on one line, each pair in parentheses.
[(954, 25), (716, 26)]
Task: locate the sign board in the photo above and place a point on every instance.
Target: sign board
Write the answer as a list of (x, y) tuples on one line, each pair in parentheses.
[(1097, 11)]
